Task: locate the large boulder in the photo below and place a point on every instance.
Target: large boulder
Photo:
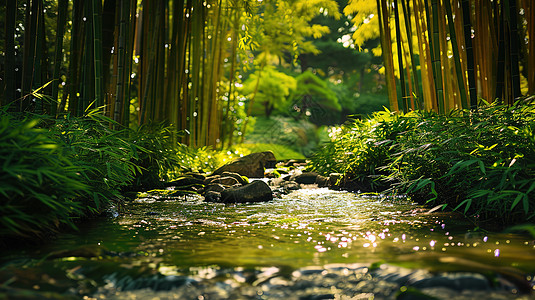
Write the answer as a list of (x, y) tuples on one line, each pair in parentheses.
[(256, 191), (251, 165)]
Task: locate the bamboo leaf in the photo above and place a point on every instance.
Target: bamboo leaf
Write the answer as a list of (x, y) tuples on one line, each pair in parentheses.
[(466, 203)]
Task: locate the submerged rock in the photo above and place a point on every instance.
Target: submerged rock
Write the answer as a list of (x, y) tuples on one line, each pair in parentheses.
[(216, 187), (322, 181), (306, 178), (256, 191), (251, 165), (241, 179), (224, 180), (212, 196)]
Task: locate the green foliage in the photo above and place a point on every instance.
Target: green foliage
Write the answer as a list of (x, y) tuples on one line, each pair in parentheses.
[(481, 162), (269, 89), (300, 136), (55, 171), (357, 149), (38, 182), (281, 152), (156, 153), (313, 100), (105, 155)]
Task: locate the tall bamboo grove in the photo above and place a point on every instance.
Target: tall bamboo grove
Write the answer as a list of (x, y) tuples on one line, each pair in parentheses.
[(154, 60), (446, 54)]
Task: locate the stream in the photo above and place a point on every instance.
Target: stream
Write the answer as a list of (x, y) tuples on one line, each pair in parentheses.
[(313, 243)]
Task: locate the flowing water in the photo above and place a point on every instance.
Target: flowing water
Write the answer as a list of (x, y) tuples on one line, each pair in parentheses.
[(310, 244)]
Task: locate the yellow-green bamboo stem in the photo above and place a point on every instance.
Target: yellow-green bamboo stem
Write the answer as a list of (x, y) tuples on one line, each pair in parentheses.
[(386, 45)]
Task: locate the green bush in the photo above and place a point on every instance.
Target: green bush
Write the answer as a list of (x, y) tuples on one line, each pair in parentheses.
[(281, 152), (157, 154), (356, 149), (39, 184), (300, 136), (106, 156), (56, 171), (481, 162)]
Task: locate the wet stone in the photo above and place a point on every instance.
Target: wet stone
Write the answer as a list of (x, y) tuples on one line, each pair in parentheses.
[(455, 281), (224, 180), (215, 187), (306, 178), (241, 179), (212, 196)]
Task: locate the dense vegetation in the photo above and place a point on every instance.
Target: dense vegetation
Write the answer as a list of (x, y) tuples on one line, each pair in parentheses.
[(481, 162), (101, 96)]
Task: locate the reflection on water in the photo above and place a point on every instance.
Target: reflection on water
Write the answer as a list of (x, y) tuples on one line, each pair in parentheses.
[(309, 227)]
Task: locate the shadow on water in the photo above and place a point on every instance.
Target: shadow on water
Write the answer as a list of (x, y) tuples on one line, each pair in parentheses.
[(311, 243)]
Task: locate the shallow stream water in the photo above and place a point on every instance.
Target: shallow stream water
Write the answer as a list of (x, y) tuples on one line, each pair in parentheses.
[(310, 244)]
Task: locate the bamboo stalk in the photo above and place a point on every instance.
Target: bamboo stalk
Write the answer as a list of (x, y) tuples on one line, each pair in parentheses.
[(386, 45), (109, 33), (10, 74), (176, 65), (435, 46), (60, 32), (121, 59), (530, 17), (40, 69), (227, 125), (29, 52), (514, 47), (129, 52), (456, 55), (408, 27), (472, 87), (447, 77), (429, 101), (500, 80), (399, 43), (88, 71), (97, 52)]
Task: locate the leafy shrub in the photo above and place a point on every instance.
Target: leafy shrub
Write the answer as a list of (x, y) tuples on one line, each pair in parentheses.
[(55, 171), (39, 184), (269, 89), (281, 152), (357, 149), (479, 161), (313, 100), (105, 155), (156, 154), (297, 135)]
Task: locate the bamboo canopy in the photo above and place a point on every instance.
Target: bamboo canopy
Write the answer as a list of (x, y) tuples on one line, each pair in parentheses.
[(162, 61), (141, 62), (463, 50), (179, 61)]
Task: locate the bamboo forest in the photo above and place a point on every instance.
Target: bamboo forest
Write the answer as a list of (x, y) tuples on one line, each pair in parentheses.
[(267, 149)]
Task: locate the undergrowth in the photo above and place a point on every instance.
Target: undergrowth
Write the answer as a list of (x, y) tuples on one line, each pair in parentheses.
[(55, 172), (481, 162)]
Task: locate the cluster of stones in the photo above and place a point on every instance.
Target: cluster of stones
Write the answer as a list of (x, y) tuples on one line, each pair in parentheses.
[(246, 180), (230, 183)]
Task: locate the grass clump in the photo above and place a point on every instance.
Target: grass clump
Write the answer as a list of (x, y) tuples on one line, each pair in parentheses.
[(481, 162)]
